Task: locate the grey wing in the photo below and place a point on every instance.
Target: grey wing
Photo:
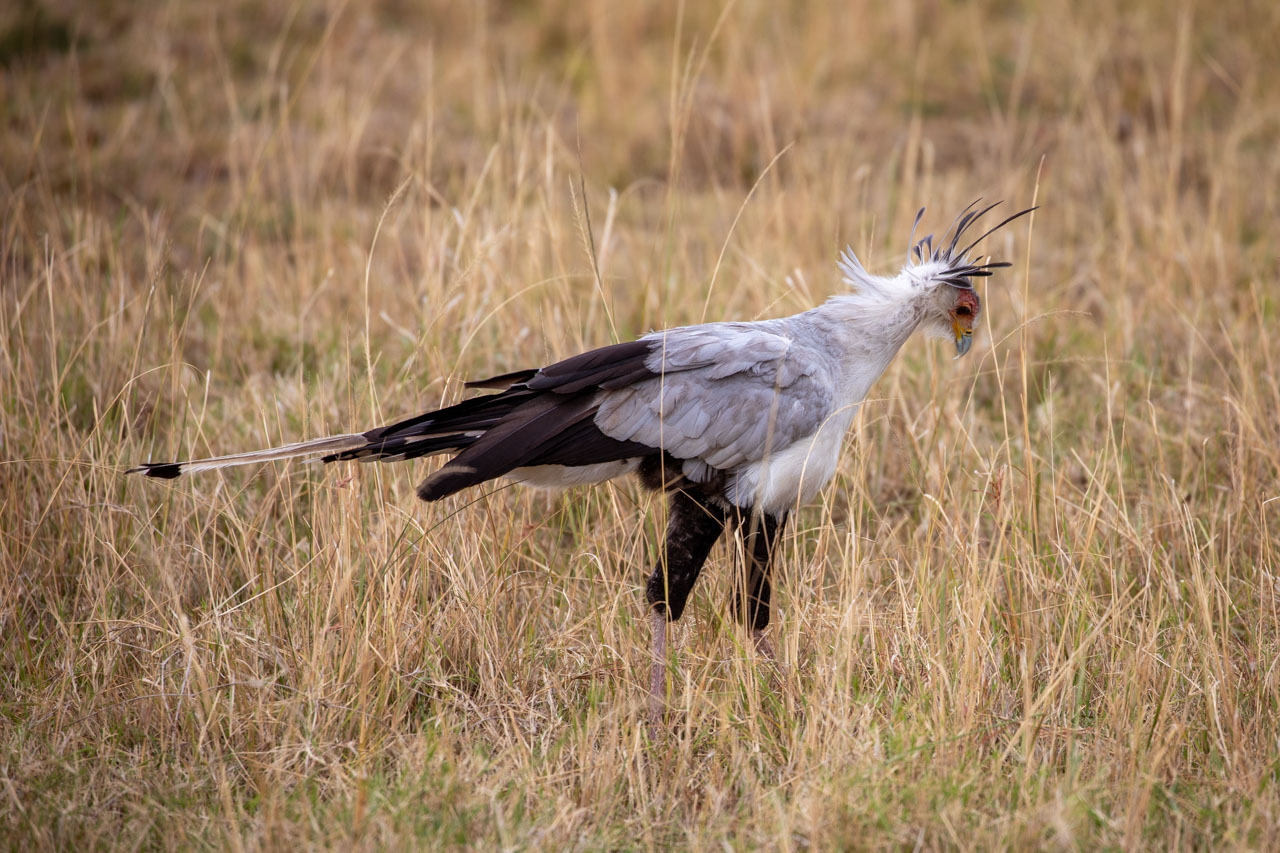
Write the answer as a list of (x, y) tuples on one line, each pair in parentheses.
[(726, 394)]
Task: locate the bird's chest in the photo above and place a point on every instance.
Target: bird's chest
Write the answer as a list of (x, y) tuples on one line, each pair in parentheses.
[(796, 473)]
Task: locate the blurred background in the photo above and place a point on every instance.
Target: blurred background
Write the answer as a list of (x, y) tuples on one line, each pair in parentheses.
[(1037, 607)]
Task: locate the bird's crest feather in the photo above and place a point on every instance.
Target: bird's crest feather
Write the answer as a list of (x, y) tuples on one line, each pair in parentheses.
[(952, 266)]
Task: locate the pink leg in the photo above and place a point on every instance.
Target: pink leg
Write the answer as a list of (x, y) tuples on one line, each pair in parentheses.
[(657, 667), (765, 649), (763, 646)]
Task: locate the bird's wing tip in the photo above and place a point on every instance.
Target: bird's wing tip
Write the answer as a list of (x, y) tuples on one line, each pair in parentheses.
[(501, 382), (158, 470)]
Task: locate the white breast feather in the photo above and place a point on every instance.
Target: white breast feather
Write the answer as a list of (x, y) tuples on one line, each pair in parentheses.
[(794, 474)]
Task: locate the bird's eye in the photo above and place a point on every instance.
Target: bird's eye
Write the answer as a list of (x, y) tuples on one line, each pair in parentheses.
[(964, 311)]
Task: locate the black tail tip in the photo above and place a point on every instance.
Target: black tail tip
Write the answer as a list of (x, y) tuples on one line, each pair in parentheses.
[(447, 481), (159, 470)]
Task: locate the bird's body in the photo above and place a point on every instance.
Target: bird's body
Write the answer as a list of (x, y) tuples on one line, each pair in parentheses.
[(740, 422), (756, 412)]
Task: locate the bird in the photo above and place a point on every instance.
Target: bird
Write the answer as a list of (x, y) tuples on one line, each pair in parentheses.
[(736, 423)]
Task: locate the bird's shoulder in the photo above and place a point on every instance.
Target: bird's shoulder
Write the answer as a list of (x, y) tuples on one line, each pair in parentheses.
[(769, 350), (723, 393)]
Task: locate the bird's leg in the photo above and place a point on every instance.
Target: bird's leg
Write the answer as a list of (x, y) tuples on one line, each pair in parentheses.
[(693, 526), (658, 666), (752, 589), (763, 646)]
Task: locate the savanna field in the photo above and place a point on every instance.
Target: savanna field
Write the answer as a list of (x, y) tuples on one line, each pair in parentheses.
[(1039, 606)]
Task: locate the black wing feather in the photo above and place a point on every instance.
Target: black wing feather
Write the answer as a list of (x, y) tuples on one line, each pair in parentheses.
[(552, 430), (543, 417)]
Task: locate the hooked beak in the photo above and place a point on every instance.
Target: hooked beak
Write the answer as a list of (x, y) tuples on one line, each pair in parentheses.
[(964, 338)]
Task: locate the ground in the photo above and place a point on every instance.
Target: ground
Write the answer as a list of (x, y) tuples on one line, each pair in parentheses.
[(1037, 607)]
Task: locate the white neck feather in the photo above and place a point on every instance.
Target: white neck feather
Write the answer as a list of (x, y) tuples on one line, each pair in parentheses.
[(881, 312), (865, 328)]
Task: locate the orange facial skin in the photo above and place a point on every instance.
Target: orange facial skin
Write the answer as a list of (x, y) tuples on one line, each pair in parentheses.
[(964, 314)]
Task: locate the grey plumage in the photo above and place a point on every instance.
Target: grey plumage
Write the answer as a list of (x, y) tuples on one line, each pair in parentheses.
[(740, 422), (723, 394)]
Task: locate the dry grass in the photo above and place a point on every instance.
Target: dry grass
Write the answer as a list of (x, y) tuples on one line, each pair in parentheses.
[(1037, 607)]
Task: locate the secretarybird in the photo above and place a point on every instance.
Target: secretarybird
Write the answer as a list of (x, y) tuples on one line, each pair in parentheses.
[(737, 422)]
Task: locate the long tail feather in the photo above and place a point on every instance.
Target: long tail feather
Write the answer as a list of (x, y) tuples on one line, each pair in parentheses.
[(299, 450), (448, 429)]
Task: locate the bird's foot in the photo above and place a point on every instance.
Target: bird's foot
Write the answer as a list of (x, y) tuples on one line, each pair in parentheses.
[(763, 646), (765, 649)]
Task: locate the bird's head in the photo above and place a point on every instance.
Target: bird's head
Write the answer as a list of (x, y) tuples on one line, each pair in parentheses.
[(954, 316), (945, 275), (938, 280)]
